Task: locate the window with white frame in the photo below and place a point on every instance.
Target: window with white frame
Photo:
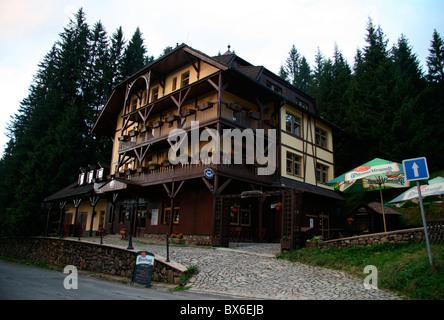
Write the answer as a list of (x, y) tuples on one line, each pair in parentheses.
[(90, 176), (81, 178)]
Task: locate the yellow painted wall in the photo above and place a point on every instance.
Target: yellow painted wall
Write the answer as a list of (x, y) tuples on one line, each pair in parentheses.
[(85, 206), (305, 144)]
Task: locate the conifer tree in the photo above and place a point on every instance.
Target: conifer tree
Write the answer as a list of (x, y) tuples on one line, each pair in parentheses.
[(370, 110), (407, 127), (134, 56), (433, 102), (116, 56), (296, 70)]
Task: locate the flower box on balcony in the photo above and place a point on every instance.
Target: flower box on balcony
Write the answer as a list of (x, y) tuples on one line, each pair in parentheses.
[(205, 105), (157, 124), (134, 133), (172, 118), (234, 106), (188, 112), (271, 122), (254, 114), (141, 169), (152, 166), (145, 128), (166, 163)]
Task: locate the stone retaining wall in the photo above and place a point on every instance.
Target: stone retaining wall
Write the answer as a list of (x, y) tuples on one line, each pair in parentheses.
[(399, 236), (86, 256)]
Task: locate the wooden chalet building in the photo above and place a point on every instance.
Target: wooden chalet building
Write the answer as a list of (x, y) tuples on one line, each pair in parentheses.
[(233, 202)]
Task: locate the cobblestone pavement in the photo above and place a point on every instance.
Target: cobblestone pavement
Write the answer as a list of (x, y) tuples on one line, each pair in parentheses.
[(252, 271)]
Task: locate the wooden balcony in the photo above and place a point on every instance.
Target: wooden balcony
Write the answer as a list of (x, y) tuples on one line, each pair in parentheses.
[(205, 115), (180, 172)]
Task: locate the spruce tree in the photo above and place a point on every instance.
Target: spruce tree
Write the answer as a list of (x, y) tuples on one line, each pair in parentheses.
[(433, 102), (371, 108), (116, 57), (407, 126), (296, 70), (134, 56)]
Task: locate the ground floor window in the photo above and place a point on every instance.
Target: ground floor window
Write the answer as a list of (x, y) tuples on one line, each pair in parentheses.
[(240, 215), (167, 215)]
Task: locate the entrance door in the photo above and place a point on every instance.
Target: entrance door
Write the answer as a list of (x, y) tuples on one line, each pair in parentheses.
[(81, 224), (67, 224)]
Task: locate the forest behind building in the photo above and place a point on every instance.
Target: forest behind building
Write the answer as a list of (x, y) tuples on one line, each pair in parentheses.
[(386, 105)]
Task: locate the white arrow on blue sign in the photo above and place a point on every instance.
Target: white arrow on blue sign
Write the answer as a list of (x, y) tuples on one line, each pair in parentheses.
[(416, 169)]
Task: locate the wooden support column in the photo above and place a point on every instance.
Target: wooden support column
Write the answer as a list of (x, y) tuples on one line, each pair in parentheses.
[(76, 205), (62, 213), (172, 193), (113, 208), (47, 218), (93, 202)]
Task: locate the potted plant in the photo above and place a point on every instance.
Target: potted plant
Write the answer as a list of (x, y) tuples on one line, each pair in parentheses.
[(278, 206), (166, 163), (177, 238), (141, 168), (123, 234), (235, 208), (187, 111), (133, 133), (313, 241), (157, 124), (152, 165), (286, 243), (254, 114), (216, 241), (145, 128), (171, 117), (205, 105), (234, 106)]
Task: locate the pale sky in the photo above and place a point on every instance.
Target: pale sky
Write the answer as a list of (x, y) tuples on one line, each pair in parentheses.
[(261, 32)]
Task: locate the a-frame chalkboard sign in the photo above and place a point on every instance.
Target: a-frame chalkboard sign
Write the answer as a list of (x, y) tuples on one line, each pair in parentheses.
[(143, 269)]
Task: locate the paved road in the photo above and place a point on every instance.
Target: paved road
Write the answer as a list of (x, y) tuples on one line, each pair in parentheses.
[(252, 271), (21, 282)]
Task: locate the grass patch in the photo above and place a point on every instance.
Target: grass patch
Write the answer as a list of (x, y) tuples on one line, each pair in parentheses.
[(402, 268), (185, 277)]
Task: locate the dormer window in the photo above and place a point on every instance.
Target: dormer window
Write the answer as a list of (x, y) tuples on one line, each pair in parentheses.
[(99, 174), (81, 178), (90, 176), (273, 87)]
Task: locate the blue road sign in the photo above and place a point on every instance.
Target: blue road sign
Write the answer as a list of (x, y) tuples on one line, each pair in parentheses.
[(416, 169)]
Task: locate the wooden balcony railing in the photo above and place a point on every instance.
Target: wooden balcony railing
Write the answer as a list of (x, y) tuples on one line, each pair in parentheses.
[(190, 171), (151, 134)]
